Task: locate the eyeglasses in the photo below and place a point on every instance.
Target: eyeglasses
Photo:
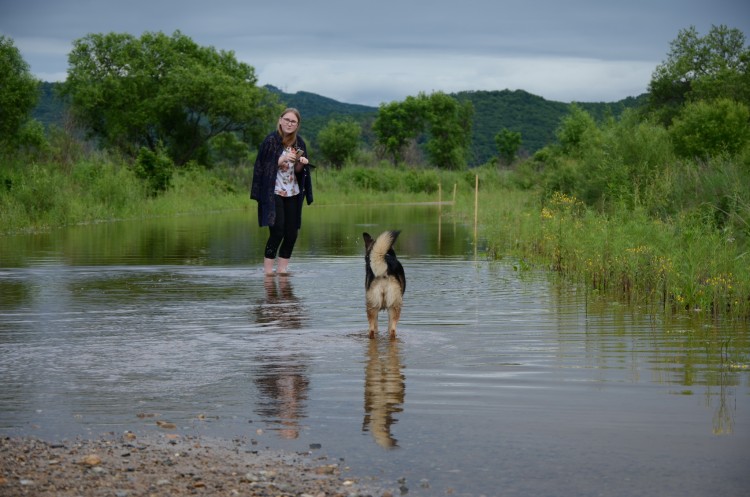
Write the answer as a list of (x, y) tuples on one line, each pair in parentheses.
[(289, 121)]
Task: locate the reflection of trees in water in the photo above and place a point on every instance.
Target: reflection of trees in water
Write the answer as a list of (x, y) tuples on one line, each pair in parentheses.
[(685, 352), (384, 390), (281, 378)]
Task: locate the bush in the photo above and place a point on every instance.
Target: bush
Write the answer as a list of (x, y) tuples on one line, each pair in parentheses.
[(707, 129), (422, 181), (338, 141), (155, 168)]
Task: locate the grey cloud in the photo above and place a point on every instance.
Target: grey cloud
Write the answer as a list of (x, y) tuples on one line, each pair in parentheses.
[(605, 49)]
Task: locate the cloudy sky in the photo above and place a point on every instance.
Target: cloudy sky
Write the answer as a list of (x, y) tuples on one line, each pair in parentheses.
[(384, 50)]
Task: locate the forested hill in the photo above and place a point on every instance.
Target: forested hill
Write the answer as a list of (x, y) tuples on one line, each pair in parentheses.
[(533, 116)]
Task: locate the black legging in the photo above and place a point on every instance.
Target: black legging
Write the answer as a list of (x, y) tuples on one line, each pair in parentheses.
[(284, 230)]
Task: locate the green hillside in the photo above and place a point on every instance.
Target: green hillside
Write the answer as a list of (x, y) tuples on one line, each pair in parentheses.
[(534, 117)]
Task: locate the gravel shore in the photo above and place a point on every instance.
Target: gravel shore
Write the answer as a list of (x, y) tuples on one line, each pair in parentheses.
[(169, 465)]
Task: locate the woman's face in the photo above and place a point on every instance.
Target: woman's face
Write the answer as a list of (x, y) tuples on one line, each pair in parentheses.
[(288, 123)]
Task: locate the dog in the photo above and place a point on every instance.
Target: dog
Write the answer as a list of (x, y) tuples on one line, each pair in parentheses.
[(385, 281)]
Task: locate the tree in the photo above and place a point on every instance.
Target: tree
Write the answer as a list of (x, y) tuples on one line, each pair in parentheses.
[(449, 126), (709, 128), (701, 68), (160, 90), (508, 143), (396, 124), (338, 141), (577, 132), (446, 121), (19, 93)]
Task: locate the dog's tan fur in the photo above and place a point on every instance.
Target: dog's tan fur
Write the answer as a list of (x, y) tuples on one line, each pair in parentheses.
[(385, 281)]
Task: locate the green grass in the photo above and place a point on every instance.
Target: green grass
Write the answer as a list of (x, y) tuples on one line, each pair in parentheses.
[(683, 265)]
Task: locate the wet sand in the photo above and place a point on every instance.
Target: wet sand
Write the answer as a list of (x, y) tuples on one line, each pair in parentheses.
[(170, 465)]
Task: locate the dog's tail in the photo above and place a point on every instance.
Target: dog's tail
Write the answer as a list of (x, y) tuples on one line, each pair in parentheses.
[(383, 244)]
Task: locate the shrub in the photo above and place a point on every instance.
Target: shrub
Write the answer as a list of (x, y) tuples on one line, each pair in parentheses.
[(155, 168), (710, 128)]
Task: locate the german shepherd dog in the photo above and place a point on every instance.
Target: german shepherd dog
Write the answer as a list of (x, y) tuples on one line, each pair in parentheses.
[(385, 280)]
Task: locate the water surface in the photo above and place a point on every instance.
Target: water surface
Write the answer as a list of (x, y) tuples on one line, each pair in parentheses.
[(500, 382)]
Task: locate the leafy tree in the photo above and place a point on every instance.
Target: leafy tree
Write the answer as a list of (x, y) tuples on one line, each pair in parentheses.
[(19, 93), (449, 126), (338, 141), (396, 124), (139, 92), (446, 121), (508, 143), (701, 68), (707, 129), (577, 131)]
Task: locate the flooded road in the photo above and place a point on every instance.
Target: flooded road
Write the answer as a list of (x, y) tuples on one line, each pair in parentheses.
[(501, 382)]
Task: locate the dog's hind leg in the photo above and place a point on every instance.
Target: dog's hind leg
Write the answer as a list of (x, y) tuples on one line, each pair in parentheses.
[(394, 314), (372, 319)]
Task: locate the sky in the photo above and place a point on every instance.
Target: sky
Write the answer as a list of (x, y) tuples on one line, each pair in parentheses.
[(382, 51)]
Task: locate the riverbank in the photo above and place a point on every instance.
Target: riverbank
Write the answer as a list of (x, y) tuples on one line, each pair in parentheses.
[(128, 465)]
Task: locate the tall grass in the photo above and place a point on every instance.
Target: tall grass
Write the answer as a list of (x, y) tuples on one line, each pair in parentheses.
[(684, 265), (41, 196)]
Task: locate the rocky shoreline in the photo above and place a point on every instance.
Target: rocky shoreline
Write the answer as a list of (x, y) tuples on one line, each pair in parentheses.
[(169, 465)]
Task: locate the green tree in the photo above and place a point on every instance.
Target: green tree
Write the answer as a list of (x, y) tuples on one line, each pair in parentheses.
[(707, 129), (396, 124), (577, 132), (19, 93), (508, 144), (446, 121), (338, 141), (157, 89), (701, 68), (449, 127)]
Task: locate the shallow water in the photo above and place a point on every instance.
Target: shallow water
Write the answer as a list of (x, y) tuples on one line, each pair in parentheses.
[(500, 382)]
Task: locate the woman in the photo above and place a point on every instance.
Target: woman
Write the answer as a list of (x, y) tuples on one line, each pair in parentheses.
[(281, 179)]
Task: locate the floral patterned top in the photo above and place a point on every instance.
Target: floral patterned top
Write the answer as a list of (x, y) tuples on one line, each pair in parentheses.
[(286, 181)]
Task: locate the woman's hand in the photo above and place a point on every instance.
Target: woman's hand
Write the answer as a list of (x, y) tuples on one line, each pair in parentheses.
[(287, 157)]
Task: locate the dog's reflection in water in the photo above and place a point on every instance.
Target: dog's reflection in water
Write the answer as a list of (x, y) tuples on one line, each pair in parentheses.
[(282, 377), (384, 390)]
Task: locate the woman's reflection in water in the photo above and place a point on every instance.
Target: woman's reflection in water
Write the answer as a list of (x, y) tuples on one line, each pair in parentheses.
[(281, 377), (384, 390)]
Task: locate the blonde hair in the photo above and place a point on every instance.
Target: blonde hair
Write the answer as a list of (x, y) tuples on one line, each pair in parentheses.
[(291, 138)]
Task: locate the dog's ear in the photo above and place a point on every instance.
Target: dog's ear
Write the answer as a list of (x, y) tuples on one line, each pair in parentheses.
[(368, 240)]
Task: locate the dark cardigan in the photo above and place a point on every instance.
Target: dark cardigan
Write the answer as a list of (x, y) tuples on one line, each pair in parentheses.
[(264, 179)]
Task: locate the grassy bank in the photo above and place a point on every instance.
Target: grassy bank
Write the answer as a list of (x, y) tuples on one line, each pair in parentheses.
[(682, 264), (46, 196)]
